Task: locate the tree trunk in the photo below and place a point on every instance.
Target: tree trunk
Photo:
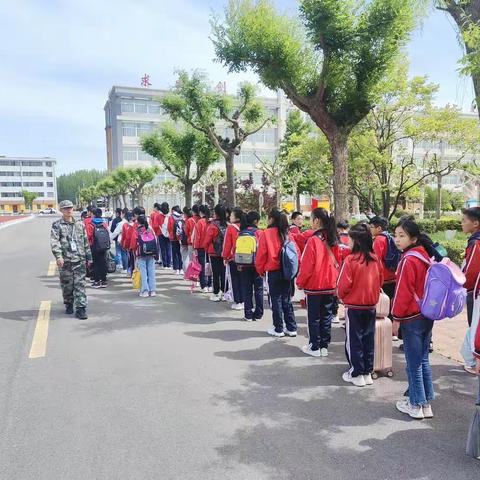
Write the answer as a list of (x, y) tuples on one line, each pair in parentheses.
[(229, 167), (386, 203), (355, 205), (188, 193), (124, 199), (215, 193), (297, 201), (438, 212), (140, 198), (338, 145), (421, 213)]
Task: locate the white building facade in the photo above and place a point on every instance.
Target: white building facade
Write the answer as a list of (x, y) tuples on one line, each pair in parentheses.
[(27, 173)]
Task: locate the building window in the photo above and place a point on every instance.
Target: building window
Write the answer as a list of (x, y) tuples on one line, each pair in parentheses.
[(29, 163), (9, 174), (32, 174), (144, 157), (38, 206), (2, 207), (127, 106), (266, 135), (10, 184), (50, 194), (49, 184), (49, 174), (154, 108), (48, 164), (11, 195), (141, 107), (9, 163), (129, 154), (128, 129), (33, 184)]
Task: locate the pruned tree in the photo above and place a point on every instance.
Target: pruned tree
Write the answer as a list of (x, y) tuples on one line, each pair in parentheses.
[(89, 195), (28, 198), (330, 67), (186, 154), (274, 169), (216, 178), (227, 122)]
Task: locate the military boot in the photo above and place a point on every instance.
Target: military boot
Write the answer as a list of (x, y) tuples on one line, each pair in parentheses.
[(69, 308), (81, 313)]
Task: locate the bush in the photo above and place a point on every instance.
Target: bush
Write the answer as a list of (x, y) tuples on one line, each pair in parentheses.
[(427, 226), (449, 223), (455, 249)]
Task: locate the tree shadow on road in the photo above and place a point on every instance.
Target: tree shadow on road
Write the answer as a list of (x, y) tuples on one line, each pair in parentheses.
[(20, 315), (304, 422)]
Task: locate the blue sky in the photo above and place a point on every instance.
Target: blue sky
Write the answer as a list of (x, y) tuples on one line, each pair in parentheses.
[(61, 57)]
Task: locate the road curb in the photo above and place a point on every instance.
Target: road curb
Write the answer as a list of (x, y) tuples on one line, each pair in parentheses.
[(16, 222)]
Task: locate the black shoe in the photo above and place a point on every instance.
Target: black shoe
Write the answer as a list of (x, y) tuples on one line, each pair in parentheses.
[(69, 308), (103, 285), (81, 314)]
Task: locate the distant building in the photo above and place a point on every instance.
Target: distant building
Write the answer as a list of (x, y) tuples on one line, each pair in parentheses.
[(131, 112), (27, 173)]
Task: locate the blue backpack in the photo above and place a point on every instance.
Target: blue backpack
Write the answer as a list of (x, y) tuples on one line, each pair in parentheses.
[(289, 260), (393, 256)]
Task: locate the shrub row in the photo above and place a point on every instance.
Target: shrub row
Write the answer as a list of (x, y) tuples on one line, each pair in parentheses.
[(429, 226)]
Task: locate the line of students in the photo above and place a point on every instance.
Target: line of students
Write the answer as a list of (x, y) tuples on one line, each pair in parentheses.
[(352, 266)]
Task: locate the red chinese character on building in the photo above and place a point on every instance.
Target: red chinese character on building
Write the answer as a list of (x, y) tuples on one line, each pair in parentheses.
[(146, 80)]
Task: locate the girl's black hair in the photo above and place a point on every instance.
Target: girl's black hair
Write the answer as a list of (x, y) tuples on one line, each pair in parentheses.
[(128, 215), (362, 241), (164, 208), (280, 221), (411, 228), (195, 209), (228, 211), (187, 212), (343, 224), (220, 214), (329, 225), (177, 209), (142, 221), (249, 220), (205, 211), (239, 214)]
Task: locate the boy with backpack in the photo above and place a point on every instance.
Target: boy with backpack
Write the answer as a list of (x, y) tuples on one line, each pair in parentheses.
[(99, 239), (388, 255), (251, 282), (174, 225)]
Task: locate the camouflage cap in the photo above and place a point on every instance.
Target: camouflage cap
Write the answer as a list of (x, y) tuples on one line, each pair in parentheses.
[(65, 204)]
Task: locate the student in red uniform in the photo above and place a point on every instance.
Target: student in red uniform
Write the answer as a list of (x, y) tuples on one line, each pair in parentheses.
[(471, 225), (268, 262), (164, 238), (297, 223), (198, 241), (186, 237), (173, 224), (251, 281), (213, 245), (236, 218), (195, 213), (358, 287), (155, 223), (416, 330), (318, 277), (344, 244), (379, 229)]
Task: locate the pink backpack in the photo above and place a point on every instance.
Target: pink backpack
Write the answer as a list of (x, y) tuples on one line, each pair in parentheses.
[(193, 271), (444, 295)]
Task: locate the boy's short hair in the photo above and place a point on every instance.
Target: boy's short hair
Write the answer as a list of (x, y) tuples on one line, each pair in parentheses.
[(252, 217), (343, 224), (295, 215), (473, 213), (378, 221)]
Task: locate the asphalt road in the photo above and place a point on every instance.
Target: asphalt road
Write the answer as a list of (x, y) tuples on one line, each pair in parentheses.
[(177, 387)]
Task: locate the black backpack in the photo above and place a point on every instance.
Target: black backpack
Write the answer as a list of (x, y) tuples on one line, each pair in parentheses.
[(218, 242), (393, 255), (101, 238), (179, 230)]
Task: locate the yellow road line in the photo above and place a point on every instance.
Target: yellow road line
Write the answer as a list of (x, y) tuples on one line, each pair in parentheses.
[(39, 342), (52, 269)]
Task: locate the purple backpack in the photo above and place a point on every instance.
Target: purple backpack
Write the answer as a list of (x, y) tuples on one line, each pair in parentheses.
[(444, 295)]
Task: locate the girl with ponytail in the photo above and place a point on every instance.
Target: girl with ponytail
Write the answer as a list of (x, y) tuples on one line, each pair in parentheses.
[(318, 277), (416, 329)]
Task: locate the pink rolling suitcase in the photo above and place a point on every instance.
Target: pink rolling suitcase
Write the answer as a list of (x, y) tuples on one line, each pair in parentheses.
[(382, 363)]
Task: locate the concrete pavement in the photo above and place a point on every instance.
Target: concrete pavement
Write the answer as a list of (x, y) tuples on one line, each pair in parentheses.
[(177, 387)]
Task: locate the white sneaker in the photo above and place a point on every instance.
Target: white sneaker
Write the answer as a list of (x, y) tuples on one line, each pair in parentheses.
[(215, 297), (415, 411), (204, 290), (427, 411), (357, 381), (237, 306), (394, 338), (273, 333), (153, 294), (288, 333), (143, 294), (335, 319), (248, 319), (470, 369), (209, 289), (324, 352), (124, 272), (368, 379), (307, 349), (180, 272)]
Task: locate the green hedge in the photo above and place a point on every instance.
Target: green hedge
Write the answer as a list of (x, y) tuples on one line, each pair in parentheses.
[(429, 226), (455, 249), (449, 223)]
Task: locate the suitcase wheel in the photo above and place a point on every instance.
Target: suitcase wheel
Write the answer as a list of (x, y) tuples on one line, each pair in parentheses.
[(390, 373), (375, 375)]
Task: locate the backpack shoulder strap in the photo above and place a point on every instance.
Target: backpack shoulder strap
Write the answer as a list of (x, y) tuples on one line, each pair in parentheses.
[(420, 257)]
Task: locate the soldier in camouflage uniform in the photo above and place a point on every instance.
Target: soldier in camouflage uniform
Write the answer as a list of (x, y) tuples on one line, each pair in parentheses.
[(69, 243)]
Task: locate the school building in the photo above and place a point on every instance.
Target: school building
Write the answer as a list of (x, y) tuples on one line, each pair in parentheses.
[(35, 174)]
